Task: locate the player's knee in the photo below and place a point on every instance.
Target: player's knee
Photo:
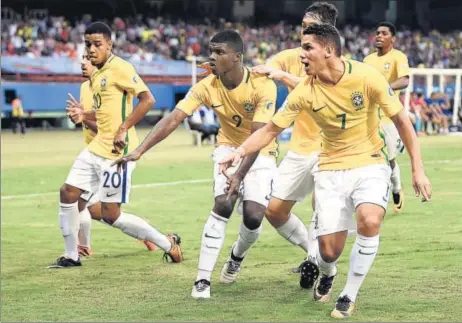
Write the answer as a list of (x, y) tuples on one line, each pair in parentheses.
[(369, 225), (224, 208), (253, 221), (110, 212), (253, 214), (276, 215), (329, 253), (69, 194)]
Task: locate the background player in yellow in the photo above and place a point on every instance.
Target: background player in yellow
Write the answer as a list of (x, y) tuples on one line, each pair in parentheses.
[(394, 65), (294, 180), (114, 85), (89, 203), (17, 115), (243, 102), (353, 174)]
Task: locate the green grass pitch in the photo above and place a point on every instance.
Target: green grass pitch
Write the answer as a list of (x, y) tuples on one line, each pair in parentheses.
[(417, 275)]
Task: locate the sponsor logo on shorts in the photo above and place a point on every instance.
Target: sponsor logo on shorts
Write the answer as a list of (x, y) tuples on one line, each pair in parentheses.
[(110, 195)]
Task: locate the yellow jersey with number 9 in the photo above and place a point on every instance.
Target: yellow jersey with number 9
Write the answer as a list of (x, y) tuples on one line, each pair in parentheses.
[(253, 100), (347, 115), (305, 135), (86, 100), (114, 87), (393, 65)]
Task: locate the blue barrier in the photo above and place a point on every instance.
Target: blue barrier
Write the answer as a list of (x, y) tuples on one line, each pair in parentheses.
[(68, 66), (53, 96)]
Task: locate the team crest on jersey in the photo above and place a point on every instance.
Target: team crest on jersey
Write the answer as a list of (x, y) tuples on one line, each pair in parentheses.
[(357, 99), (103, 83), (387, 66), (249, 107)]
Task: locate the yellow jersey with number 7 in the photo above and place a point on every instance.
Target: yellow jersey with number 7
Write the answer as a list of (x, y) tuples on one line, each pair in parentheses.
[(347, 115)]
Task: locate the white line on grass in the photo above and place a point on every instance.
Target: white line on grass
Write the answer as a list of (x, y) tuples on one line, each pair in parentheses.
[(161, 184), (191, 181)]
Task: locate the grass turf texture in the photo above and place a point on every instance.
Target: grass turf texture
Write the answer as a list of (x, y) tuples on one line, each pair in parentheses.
[(415, 277)]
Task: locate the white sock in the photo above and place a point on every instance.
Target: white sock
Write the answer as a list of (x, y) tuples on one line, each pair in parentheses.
[(138, 228), (361, 260), (213, 237), (313, 244), (69, 223), (327, 268), (396, 179), (85, 226), (245, 240), (294, 231)]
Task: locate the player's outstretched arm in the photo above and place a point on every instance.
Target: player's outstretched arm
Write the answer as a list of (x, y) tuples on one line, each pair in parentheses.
[(145, 103), (288, 79), (400, 83), (258, 140), (406, 131), (160, 131)]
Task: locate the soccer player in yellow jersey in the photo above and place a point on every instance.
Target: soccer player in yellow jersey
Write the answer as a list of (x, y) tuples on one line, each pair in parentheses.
[(294, 179), (114, 84), (394, 65), (353, 175), (89, 203), (243, 102)]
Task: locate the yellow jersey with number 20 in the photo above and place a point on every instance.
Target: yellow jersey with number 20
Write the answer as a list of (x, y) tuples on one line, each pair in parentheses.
[(347, 115), (253, 100), (114, 86)]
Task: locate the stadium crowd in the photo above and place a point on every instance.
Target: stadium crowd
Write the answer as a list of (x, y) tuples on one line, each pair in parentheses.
[(157, 39)]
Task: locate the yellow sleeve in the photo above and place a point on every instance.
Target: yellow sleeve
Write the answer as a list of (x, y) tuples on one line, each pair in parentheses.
[(265, 102), (129, 80), (195, 97), (289, 110), (381, 93), (277, 62), (402, 65)]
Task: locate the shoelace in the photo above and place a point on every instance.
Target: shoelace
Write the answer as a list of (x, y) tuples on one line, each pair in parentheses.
[(201, 285), (233, 266), (343, 303), (325, 284)]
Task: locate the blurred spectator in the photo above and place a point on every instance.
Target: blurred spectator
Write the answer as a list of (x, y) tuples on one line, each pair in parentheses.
[(17, 116), (204, 121), (417, 114), (440, 112), (161, 39)]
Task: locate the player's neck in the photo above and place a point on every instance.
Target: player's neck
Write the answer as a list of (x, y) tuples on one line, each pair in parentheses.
[(100, 66), (333, 72), (384, 51), (232, 78)]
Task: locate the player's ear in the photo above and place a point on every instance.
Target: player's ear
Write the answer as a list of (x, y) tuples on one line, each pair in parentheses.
[(328, 51), (239, 57)]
